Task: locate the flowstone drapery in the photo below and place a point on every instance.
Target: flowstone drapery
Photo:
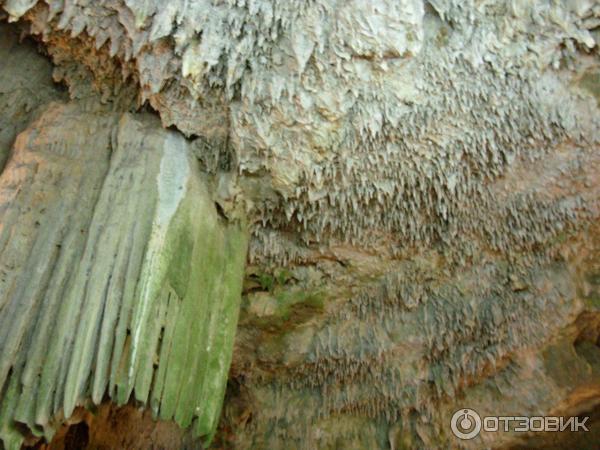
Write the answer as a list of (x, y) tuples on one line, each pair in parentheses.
[(119, 276)]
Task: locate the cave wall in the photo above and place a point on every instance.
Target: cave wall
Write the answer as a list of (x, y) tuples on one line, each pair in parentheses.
[(21, 96), (420, 181)]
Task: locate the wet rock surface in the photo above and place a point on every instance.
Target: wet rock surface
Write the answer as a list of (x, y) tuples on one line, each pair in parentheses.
[(119, 277), (420, 182)]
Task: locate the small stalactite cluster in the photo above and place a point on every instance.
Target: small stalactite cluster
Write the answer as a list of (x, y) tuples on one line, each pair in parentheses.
[(400, 346)]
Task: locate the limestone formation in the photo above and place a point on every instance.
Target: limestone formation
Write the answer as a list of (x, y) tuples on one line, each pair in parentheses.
[(21, 96), (416, 183), (119, 276)]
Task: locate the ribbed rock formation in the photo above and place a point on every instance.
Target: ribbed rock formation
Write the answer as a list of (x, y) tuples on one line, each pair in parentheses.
[(119, 277), (420, 181)]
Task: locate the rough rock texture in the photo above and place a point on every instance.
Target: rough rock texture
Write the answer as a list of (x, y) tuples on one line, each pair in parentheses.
[(421, 181), (385, 363), (110, 427), (21, 96), (357, 113)]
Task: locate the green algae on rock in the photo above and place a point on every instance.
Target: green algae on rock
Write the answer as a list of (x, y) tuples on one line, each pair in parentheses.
[(119, 275)]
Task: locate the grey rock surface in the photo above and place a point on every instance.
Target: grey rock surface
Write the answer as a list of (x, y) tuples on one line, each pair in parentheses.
[(421, 184), (21, 95)]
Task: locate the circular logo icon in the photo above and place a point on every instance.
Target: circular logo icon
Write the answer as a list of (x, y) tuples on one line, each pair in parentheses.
[(465, 424)]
